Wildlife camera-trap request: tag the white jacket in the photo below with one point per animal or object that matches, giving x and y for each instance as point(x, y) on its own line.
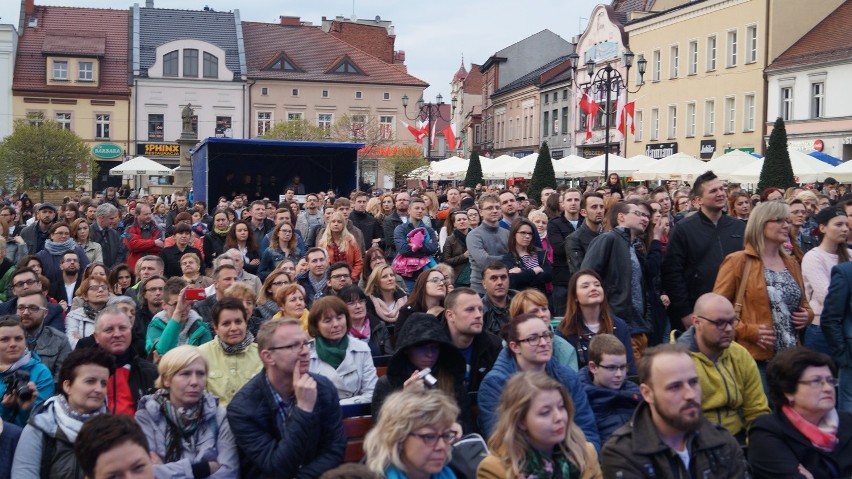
point(355, 378)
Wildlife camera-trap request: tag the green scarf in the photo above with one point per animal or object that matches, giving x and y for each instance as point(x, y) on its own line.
point(332, 354)
point(540, 467)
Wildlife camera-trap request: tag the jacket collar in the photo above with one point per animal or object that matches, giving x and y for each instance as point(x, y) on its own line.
point(647, 442)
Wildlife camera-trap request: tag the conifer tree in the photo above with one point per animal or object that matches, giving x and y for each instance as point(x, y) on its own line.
point(777, 171)
point(543, 175)
point(474, 171)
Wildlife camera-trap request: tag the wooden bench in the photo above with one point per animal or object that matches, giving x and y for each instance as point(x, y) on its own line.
point(355, 428)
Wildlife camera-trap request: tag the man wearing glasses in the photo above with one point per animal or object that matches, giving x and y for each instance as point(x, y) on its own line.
point(488, 242)
point(286, 421)
point(26, 279)
point(49, 343)
point(731, 391)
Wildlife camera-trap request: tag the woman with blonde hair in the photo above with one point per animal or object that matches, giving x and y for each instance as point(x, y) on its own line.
point(413, 438)
point(432, 204)
point(341, 245)
point(187, 429)
point(533, 301)
point(386, 296)
point(536, 436)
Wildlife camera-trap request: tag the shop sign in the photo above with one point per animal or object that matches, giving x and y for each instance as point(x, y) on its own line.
point(158, 149)
point(819, 145)
point(660, 150)
point(744, 150)
point(707, 148)
point(107, 151)
point(386, 151)
point(557, 154)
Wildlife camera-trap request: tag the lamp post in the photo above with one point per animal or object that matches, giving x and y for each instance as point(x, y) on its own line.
point(609, 79)
point(432, 111)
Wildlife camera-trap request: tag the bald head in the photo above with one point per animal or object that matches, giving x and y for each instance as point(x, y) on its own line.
point(710, 302)
point(714, 321)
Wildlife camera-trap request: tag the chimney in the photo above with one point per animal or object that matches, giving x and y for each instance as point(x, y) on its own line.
point(290, 21)
point(149, 3)
point(29, 7)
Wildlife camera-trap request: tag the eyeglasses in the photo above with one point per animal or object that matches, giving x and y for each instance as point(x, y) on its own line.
point(357, 302)
point(30, 308)
point(340, 276)
point(98, 287)
point(21, 284)
point(295, 346)
point(524, 233)
point(817, 383)
point(721, 324)
point(535, 339)
point(640, 214)
point(437, 281)
point(614, 367)
point(430, 439)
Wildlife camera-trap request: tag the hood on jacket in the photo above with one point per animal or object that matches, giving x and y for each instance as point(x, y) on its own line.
point(422, 328)
point(628, 388)
point(687, 338)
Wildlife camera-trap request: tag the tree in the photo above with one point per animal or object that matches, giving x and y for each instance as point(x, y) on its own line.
point(777, 172)
point(296, 130)
point(405, 161)
point(43, 155)
point(543, 175)
point(474, 171)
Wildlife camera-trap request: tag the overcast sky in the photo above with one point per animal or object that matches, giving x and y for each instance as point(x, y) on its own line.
point(433, 34)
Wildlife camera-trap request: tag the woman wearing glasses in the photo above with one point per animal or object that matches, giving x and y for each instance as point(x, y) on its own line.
point(529, 349)
point(345, 360)
point(774, 305)
point(427, 296)
point(806, 436)
point(528, 265)
point(59, 241)
point(414, 438)
point(80, 322)
point(423, 343)
point(266, 306)
point(366, 326)
point(536, 436)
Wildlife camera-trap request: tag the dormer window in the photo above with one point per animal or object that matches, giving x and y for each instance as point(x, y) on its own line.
point(211, 66)
point(283, 63)
point(85, 71)
point(170, 64)
point(60, 70)
point(346, 66)
point(190, 62)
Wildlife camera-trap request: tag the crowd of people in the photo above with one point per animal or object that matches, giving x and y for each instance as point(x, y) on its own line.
point(612, 331)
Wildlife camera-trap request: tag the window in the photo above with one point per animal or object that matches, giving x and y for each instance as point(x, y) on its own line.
point(730, 114)
point(264, 122)
point(565, 94)
point(693, 57)
point(294, 92)
point(102, 126)
point(294, 116)
point(386, 95)
point(544, 130)
point(711, 53)
point(655, 124)
point(324, 123)
point(510, 130)
point(709, 117)
point(35, 118)
point(638, 120)
point(386, 127)
point(751, 44)
point(170, 64)
point(817, 100)
point(190, 62)
point(155, 127)
point(359, 123)
point(211, 66)
point(690, 120)
point(359, 95)
point(60, 70)
point(346, 66)
point(85, 71)
point(675, 62)
point(554, 117)
point(477, 134)
point(223, 127)
point(672, 121)
point(732, 49)
point(546, 98)
point(655, 65)
point(325, 93)
point(787, 103)
point(565, 120)
point(264, 91)
point(748, 112)
point(64, 120)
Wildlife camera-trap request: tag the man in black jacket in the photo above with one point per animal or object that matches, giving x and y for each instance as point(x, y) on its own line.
point(558, 229)
point(696, 248)
point(396, 218)
point(464, 322)
point(577, 243)
point(103, 232)
point(365, 222)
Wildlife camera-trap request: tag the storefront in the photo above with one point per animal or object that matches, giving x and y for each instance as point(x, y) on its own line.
point(167, 154)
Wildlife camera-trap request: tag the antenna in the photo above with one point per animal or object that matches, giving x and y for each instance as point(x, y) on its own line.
point(353, 9)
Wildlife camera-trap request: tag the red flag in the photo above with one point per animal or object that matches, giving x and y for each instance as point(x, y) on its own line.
point(626, 116)
point(590, 107)
point(418, 135)
point(450, 135)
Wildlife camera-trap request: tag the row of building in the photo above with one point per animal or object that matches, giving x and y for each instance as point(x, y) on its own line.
point(120, 78)
point(719, 72)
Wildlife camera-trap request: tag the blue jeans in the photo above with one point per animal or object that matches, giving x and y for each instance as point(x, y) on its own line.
point(815, 340)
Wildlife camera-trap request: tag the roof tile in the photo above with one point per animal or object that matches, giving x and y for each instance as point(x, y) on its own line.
point(828, 41)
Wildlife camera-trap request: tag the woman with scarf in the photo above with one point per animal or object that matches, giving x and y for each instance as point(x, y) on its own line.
point(266, 306)
point(80, 322)
point(232, 355)
point(46, 446)
point(345, 360)
point(59, 241)
point(177, 324)
point(455, 248)
point(365, 325)
point(214, 241)
point(187, 429)
point(341, 245)
point(385, 294)
point(806, 436)
point(536, 436)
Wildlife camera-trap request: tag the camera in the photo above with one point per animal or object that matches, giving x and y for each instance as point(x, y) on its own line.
point(429, 380)
point(17, 382)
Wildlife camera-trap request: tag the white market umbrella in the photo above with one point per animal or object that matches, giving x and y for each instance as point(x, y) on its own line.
point(731, 161)
point(452, 168)
point(140, 166)
point(679, 166)
point(420, 173)
point(570, 166)
point(841, 172)
point(806, 169)
point(498, 168)
point(617, 164)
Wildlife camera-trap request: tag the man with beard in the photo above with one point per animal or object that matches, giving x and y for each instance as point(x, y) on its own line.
point(731, 392)
point(464, 322)
point(49, 343)
point(577, 243)
point(668, 436)
point(64, 291)
point(37, 233)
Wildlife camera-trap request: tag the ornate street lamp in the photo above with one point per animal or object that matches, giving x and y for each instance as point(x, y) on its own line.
point(432, 111)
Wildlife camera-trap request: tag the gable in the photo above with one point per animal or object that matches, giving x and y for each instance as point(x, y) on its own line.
point(345, 66)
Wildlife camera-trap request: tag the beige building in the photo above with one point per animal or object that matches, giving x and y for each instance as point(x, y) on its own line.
point(704, 90)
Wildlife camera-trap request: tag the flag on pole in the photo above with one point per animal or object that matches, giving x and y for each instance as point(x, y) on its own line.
point(590, 107)
point(625, 117)
point(449, 132)
point(418, 135)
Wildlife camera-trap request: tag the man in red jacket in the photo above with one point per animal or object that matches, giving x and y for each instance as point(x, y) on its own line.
point(142, 237)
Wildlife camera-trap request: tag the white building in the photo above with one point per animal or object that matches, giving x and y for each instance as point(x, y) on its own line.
point(8, 46)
